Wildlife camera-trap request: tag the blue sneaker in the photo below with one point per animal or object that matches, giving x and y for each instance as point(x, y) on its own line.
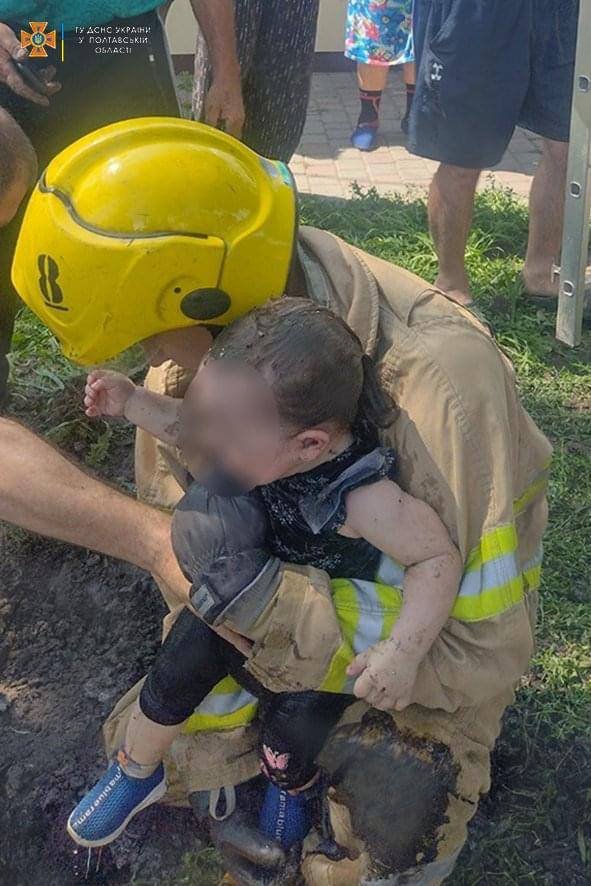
point(285, 817)
point(365, 136)
point(106, 810)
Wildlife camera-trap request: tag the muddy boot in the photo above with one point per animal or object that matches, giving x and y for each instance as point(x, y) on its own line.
point(229, 816)
point(249, 857)
point(237, 834)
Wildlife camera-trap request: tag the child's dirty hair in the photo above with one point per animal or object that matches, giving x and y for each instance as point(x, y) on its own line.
point(314, 362)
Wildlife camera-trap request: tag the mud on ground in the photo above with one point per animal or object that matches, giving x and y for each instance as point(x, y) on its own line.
point(78, 629)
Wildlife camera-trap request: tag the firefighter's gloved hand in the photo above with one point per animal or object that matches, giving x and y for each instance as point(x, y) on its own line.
point(219, 542)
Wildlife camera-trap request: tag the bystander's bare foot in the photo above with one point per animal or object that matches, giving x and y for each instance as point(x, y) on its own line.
point(458, 293)
point(544, 294)
point(541, 284)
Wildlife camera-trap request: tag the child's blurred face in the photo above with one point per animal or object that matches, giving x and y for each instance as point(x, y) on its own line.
point(230, 417)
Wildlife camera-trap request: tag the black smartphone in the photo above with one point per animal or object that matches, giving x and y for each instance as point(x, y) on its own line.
point(29, 77)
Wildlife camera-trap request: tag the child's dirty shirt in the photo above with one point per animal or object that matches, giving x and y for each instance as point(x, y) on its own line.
point(306, 511)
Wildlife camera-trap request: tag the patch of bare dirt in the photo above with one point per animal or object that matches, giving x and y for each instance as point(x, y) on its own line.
point(77, 630)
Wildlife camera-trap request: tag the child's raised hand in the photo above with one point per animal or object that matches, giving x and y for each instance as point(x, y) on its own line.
point(107, 393)
point(385, 676)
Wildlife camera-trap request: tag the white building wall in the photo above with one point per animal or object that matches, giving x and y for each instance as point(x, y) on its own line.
point(181, 27)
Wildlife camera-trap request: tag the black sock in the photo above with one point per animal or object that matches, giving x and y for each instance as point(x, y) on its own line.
point(410, 94)
point(370, 106)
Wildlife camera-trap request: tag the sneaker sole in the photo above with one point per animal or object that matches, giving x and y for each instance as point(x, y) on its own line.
point(153, 797)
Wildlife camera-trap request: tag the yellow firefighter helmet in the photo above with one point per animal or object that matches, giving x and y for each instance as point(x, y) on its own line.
point(150, 225)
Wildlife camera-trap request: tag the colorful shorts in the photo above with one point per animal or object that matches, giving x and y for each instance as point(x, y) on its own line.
point(379, 32)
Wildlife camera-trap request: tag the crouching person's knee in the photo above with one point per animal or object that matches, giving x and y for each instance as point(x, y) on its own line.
point(393, 807)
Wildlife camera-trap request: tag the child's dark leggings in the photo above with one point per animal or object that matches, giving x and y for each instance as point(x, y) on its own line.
point(295, 725)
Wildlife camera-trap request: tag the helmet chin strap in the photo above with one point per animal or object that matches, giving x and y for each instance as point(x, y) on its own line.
point(297, 283)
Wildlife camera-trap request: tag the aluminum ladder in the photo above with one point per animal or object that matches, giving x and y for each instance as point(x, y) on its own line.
point(575, 240)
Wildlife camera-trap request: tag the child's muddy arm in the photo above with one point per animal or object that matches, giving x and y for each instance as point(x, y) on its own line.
point(155, 413)
point(410, 532)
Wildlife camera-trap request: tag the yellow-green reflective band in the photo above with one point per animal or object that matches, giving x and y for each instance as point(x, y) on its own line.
point(227, 706)
point(346, 604)
point(345, 599)
point(489, 603)
point(392, 604)
point(533, 490)
point(366, 612)
point(492, 545)
point(493, 581)
point(496, 584)
point(533, 578)
point(336, 677)
point(532, 571)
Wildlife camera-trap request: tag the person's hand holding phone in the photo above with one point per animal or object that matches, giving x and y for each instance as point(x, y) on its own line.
point(37, 87)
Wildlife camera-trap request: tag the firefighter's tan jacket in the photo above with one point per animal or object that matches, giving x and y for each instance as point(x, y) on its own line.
point(467, 447)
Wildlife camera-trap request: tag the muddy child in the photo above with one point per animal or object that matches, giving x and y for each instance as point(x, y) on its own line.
point(281, 426)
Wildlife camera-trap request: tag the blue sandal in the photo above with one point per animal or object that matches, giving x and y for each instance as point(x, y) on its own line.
point(365, 136)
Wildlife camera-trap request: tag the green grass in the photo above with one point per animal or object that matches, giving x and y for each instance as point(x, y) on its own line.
point(46, 392)
point(201, 868)
point(536, 825)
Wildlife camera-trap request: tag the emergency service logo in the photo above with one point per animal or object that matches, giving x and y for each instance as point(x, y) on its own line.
point(38, 39)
